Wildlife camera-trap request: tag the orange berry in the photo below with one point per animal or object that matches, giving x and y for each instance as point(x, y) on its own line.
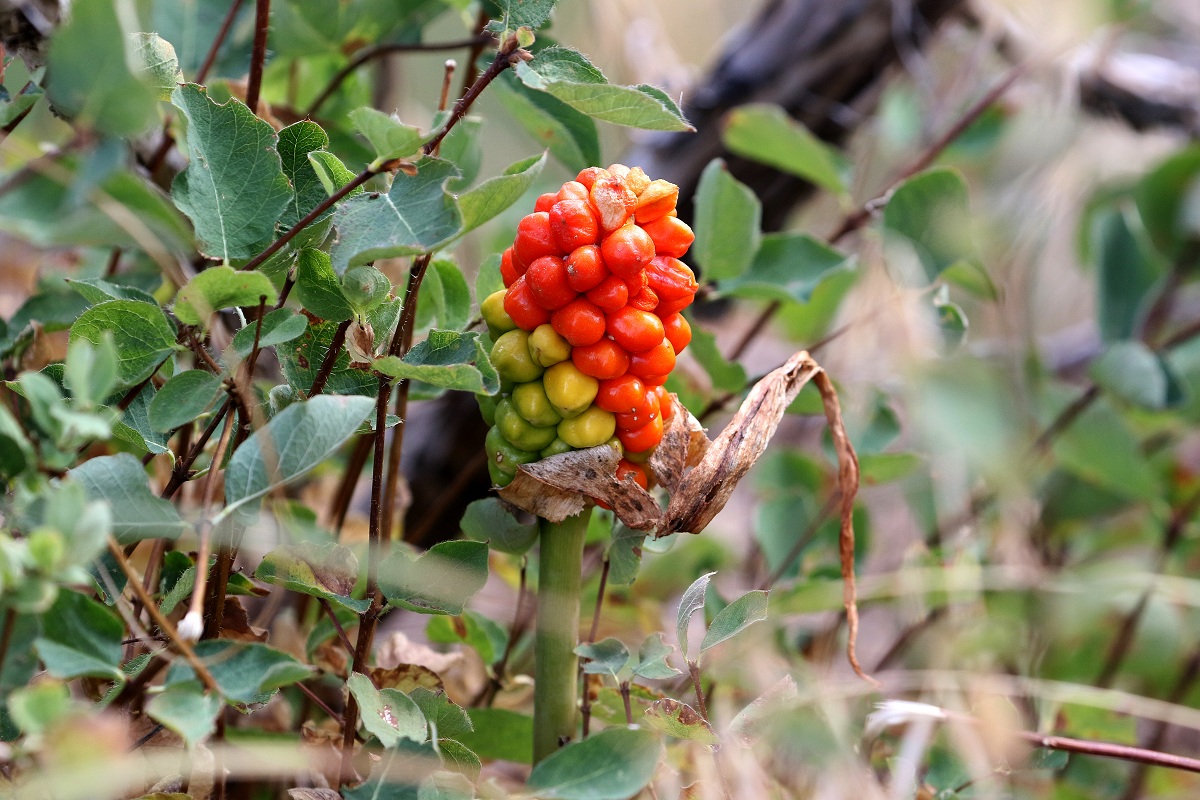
point(547, 279)
point(621, 395)
point(671, 235)
point(645, 300)
point(678, 331)
point(656, 200)
point(634, 329)
point(627, 251)
point(589, 176)
point(545, 201)
point(523, 307)
point(655, 381)
point(639, 440)
point(580, 322)
point(534, 238)
point(573, 224)
point(627, 470)
point(603, 360)
point(585, 268)
point(572, 190)
point(610, 294)
point(613, 200)
point(658, 360)
point(641, 416)
point(666, 403)
point(674, 283)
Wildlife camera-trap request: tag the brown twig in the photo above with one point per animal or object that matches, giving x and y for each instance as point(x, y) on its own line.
point(803, 540)
point(337, 625)
point(495, 683)
point(1153, 738)
point(258, 53)
point(345, 492)
point(331, 356)
point(179, 475)
point(164, 624)
point(380, 50)
point(195, 615)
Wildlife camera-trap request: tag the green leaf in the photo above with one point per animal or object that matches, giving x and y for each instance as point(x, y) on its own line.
point(765, 133)
point(952, 321)
point(416, 215)
point(680, 721)
point(788, 267)
point(135, 427)
point(652, 659)
point(278, 326)
point(16, 452)
point(463, 149)
point(80, 637)
point(446, 290)
point(522, 14)
point(605, 657)
point(494, 195)
point(297, 143)
point(301, 359)
point(187, 711)
point(441, 581)
point(878, 468)
point(140, 331)
point(90, 75)
point(1126, 274)
point(728, 376)
point(1133, 372)
point(389, 137)
point(332, 173)
point(569, 135)
point(295, 440)
point(328, 570)
point(318, 287)
point(35, 708)
point(568, 76)
point(221, 287)
point(447, 359)
point(500, 734)
point(931, 212)
point(156, 63)
point(624, 554)
point(614, 764)
point(137, 513)
point(389, 715)
point(233, 189)
point(475, 630)
point(1168, 200)
point(99, 291)
point(728, 217)
point(244, 671)
point(183, 398)
point(735, 618)
point(487, 520)
point(691, 602)
point(90, 372)
point(446, 719)
point(1100, 448)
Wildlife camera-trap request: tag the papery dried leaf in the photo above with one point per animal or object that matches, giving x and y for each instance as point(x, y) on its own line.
point(683, 444)
point(331, 657)
point(847, 489)
point(558, 487)
point(235, 624)
point(360, 341)
point(397, 650)
point(406, 677)
point(704, 491)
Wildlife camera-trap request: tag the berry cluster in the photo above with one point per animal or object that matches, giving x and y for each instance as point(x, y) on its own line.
point(589, 326)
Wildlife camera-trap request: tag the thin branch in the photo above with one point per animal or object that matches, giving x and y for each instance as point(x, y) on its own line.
point(321, 704)
point(345, 491)
point(1158, 731)
point(258, 53)
point(331, 356)
point(210, 58)
point(164, 624)
point(599, 601)
point(694, 672)
point(194, 620)
point(10, 622)
point(380, 50)
point(501, 62)
point(488, 693)
point(337, 625)
point(803, 540)
point(179, 475)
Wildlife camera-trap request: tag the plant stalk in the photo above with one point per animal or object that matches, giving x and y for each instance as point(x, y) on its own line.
point(560, 569)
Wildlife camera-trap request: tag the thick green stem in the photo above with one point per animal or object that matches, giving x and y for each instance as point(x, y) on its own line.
point(559, 577)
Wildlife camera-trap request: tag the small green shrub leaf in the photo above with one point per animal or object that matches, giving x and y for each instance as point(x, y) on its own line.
point(728, 217)
point(765, 133)
point(221, 287)
point(612, 765)
point(183, 398)
point(140, 331)
point(735, 618)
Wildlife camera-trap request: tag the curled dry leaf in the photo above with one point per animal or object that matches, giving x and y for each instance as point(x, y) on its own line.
point(405, 678)
point(235, 624)
point(313, 794)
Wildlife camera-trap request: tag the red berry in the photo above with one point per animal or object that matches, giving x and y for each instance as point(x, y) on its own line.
point(585, 268)
point(657, 361)
point(572, 190)
point(635, 330)
point(534, 238)
point(621, 395)
point(547, 279)
point(545, 202)
point(508, 268)
point(642, 439)
point(677, 331)
point(641, 416)
point(522, 306)
point(645, 300)
point(603, 360)
point(627, 251)
point(588, 176)
point(580, 322)
point(627, 470)
point(613, 200)
point(610, 294)
point(573, 224)
point(671, 280)
point(671, 235)
point(666, 403)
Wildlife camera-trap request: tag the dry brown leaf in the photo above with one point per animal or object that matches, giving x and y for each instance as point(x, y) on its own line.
point(558, 487)
point(704, 491)
point(683, 445)
point(397, 649)
point(235, 624)
point(313, 794)
point(406, 677)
